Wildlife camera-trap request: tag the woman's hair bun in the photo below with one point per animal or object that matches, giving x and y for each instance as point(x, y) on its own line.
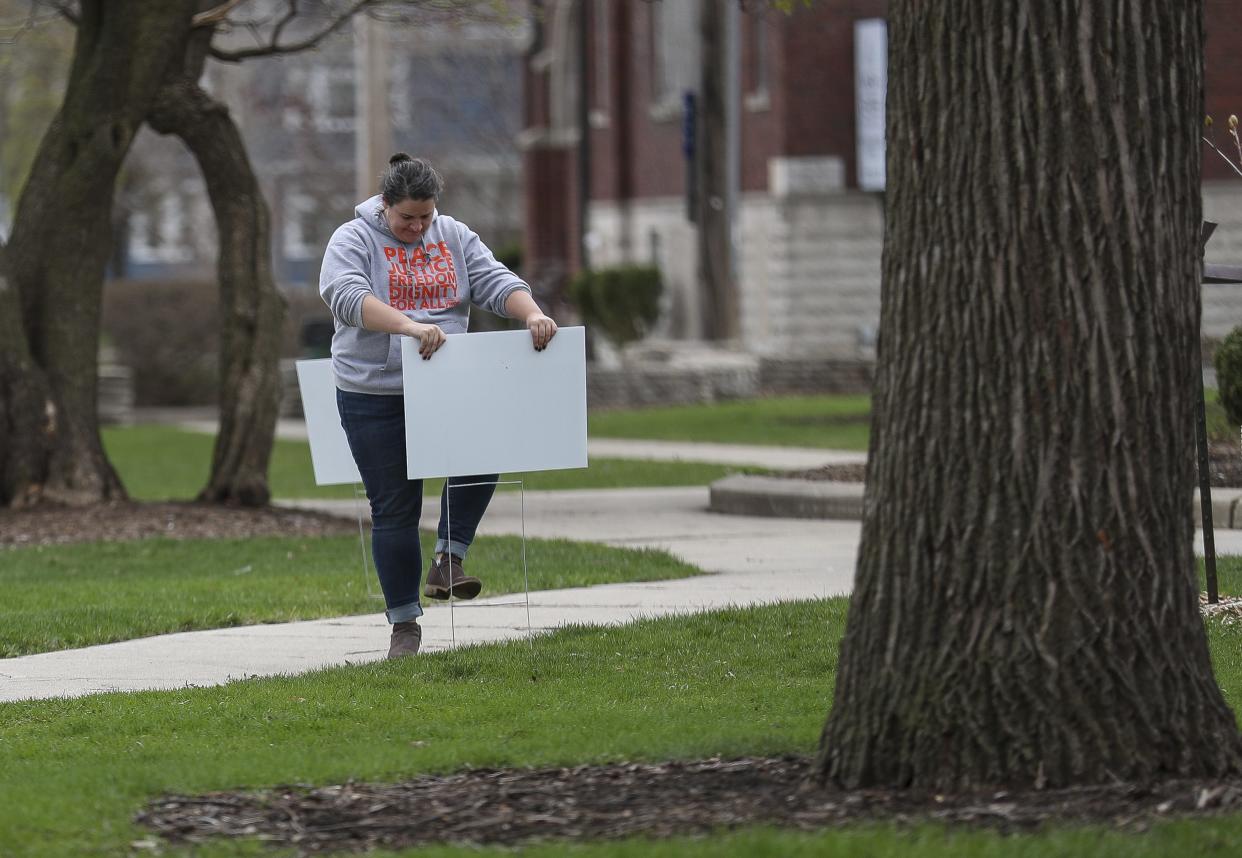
point(399, 157)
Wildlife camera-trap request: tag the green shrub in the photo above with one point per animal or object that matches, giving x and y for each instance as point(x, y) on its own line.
point(1228, 362)
point(168, 334)
point(620, 302)
point(509, 255)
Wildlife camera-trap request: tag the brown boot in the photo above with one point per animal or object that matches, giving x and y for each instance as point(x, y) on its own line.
point(406, 638)
point(447, 572)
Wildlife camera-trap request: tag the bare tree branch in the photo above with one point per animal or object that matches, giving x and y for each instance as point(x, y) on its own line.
point(280, 25)
point(273, 47)
point(211, 17)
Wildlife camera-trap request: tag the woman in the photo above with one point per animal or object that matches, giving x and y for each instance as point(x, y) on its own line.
point(402, 269)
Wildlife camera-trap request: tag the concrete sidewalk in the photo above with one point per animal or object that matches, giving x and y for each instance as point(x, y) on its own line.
point(752, 561)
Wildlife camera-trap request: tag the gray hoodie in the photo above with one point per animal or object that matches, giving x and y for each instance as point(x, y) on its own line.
point(433, 281)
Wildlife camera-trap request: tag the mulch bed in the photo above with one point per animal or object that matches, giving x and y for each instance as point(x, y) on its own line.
point(118, 522)
point(1224, 459)
point(514, 806)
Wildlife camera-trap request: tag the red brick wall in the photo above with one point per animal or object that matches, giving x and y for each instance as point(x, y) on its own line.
point(611, 165)
point(817, 78)
point(810, 98)
point(550, 233)
point(656, 159)
point(760, 128)
point(811, 94)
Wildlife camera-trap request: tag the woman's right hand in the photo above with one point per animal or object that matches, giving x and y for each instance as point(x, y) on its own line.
point(430, 338)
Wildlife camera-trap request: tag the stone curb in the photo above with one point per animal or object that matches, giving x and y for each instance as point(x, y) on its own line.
point(741, 494)
point(773, 496)
point(1226, 511)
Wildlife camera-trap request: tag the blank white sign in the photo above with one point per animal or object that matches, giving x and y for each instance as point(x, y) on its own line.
point(489, 403)
point(330, 455)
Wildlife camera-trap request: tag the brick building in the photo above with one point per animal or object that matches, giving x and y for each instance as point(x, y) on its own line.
point(806, 218)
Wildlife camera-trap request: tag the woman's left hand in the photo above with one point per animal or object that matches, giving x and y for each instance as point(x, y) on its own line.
point(542, 330)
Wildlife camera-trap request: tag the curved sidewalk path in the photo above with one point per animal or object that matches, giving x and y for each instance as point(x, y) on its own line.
point(749, 560)
point(752, 561)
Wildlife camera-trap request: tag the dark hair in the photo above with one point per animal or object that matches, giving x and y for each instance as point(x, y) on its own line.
point(409, 179)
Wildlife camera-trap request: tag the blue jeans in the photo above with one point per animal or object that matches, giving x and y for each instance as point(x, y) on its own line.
point(375, 428)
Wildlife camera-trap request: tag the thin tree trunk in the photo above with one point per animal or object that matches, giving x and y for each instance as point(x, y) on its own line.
point(1025, 610)
point(61, 238)
point(252, 310)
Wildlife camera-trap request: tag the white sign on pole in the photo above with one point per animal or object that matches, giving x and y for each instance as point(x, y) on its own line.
point(870, 89)
point(330, 455)
point(489, 403)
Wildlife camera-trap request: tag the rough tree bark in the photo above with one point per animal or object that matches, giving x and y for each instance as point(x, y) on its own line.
point(251, 309)
point(24, 401)
point(58, 249)
point(1025, 609)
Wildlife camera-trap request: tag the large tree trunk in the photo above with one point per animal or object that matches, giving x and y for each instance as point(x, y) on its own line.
point(24, 406)
point(1025, 609)
point(252, 310)
point(59, 247)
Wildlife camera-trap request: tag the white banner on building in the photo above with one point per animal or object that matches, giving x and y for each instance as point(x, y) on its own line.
point(870, 87)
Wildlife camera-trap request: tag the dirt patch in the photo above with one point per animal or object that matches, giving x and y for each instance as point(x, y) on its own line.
point(1225, 460)
point(512, 806)
point(119, 522)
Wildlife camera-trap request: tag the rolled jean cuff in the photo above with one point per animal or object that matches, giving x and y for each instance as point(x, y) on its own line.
point(404, 613)
point(452, 547)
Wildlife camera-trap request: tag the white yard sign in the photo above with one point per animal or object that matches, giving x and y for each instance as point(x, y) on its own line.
point(485, 403)
point(489, 403)
point(330, 456)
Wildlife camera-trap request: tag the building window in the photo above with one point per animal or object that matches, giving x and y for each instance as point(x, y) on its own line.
point(159, 231)
point(602, 56)
point(399, 98)
point(675, 55)
point(308, 221)
point(757, 61)
point(321, 98)
point(303, 226)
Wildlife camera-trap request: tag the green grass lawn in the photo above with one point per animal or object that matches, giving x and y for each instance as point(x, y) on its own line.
point(74, 772)
point(1228, 574)
point(57, 597)
point(833, 422)
point(165, 463)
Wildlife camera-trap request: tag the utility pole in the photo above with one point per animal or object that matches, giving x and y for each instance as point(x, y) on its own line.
point(373, 130)
point(583, 108)
point(720, 301)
